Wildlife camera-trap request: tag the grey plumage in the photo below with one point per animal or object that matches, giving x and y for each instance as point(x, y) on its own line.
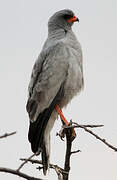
point(57, 76)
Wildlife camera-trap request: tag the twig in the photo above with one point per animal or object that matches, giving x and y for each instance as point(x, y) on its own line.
point(80, 126)
point(25, 162)
point(15, 172)
point(58, 169)
point(101, 139)
point(74, 152)
point(7, 134)
point(92, 133)
point(34, 161)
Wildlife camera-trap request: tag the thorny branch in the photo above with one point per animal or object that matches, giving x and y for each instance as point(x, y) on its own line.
point(7, 134)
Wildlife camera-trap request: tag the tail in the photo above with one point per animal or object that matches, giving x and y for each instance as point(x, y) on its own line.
point(36, 136)
point(37, 130)
point(45, 159)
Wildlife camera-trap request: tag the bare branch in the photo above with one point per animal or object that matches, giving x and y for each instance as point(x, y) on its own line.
point(101, 139)
point(93, 126)
point(33, 161)
point(57, 170)
point(80, 126)
point(69, 140)
point(74, 152)
point(92, 133)
point(52, 166)
point(25, 162)
point(17, 173)
point(7, 134)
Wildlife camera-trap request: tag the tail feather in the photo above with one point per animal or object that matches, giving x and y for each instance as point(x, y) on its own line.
point(37, 129)
point(45, 159)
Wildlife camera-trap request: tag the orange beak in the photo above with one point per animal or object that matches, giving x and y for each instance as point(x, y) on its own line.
point(73, 19)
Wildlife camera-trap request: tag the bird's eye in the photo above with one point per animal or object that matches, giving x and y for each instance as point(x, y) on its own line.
point(67, 16)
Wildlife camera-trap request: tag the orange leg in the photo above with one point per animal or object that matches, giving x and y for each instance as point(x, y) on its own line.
point(63, 118)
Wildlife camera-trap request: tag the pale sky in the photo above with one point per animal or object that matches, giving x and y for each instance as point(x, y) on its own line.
point(23, 30)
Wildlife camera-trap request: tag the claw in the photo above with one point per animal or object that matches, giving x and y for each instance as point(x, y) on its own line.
point(62, 139)
point(61, 134)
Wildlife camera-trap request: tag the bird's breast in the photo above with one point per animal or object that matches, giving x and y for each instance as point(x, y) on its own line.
point(73, 83)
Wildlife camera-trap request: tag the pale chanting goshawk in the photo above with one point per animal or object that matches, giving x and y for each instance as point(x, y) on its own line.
point(57, 76)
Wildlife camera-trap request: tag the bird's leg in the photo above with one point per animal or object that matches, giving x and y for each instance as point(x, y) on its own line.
point(65, 122)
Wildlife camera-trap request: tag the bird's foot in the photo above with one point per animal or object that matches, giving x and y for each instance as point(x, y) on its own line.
point(65, 122)
point(61, 134)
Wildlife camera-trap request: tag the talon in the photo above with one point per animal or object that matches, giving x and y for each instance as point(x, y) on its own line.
point(62, 134)
point(62, 138)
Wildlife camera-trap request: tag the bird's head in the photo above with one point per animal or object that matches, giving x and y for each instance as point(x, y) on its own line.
point(62, 19)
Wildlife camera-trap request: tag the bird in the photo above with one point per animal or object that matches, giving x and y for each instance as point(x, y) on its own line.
point(57, 76)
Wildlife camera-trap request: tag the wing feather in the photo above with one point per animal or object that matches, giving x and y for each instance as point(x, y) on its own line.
point(49, 72)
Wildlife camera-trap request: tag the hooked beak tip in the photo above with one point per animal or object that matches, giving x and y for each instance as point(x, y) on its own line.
point(77, 19)
point(73, 19)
